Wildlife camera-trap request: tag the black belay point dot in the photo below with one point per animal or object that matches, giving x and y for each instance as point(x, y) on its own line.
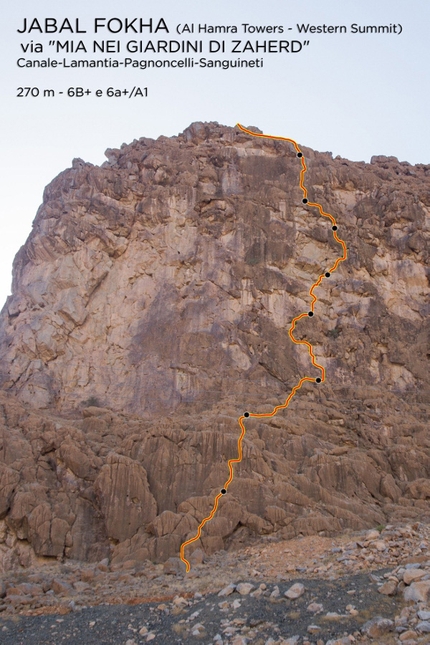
point(300, 154)
point(310, 313)
point(334, 228)
point(318, 380)
point(327, 275)
point(304, 200)
point(246, 414)
point(223, 491)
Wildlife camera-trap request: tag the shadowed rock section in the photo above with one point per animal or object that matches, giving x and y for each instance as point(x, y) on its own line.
point(151, 306)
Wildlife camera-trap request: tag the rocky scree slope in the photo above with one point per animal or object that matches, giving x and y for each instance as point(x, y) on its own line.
point(150, 308)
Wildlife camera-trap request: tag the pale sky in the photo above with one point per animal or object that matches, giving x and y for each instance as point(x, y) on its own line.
point(355, 95)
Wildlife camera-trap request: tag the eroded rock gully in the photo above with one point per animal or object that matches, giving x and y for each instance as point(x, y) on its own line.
point(150, 307)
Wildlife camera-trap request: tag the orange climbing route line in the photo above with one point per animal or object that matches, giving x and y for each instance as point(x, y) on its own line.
point(304, 379)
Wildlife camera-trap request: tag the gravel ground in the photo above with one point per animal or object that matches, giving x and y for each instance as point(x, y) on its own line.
point(256, 619)
point(371, 586)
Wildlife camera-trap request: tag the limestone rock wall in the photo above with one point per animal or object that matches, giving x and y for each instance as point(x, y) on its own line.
point(111, 485)
point(150, 308)
point(165, 280)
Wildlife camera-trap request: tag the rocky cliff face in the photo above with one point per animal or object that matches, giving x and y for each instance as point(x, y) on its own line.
point(150, 308)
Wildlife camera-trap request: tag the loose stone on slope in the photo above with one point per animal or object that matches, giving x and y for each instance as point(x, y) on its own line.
point(294, 592)
point(227, 590)
point(377, 627)
point(244, 588)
